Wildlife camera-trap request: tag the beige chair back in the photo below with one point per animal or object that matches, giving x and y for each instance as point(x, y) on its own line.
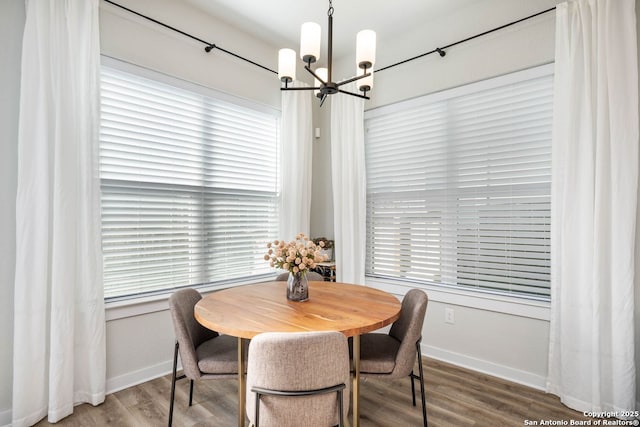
point(298, 361)
point(408, 330)
point(189, 333)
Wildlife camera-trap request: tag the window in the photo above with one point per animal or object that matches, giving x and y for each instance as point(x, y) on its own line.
point(458, 186)
point(189, 181)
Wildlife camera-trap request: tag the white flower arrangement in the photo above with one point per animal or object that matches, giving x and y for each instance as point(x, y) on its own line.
point(297, 256)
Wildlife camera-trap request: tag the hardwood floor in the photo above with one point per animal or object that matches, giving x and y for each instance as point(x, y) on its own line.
point(455, 397)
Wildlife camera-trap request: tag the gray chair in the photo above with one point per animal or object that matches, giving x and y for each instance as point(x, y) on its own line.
point(204, 353)
point(312, 276)
point(298, 379)
point(393, 355)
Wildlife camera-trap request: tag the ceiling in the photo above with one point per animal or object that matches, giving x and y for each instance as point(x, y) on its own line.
point(278, 21)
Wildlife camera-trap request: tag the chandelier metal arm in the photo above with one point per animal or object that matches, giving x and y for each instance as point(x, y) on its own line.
point(301, 88)
point(323, 97)
point(306, 67)
point(353, 94)
point(353, 79)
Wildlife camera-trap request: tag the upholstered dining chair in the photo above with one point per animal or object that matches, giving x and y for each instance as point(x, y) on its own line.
point(393, 355)
point(298, 379)
point(312, 276)
point(204, 353)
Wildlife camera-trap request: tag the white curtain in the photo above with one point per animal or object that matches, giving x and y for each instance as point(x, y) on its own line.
point(59, 324)
point(296, 156)
point(594, 191)
point(349, 185)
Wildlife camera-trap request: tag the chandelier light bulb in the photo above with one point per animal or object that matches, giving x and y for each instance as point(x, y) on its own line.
point(322, 73)
point(287, 65)
point(366, 49)
point(310, 35)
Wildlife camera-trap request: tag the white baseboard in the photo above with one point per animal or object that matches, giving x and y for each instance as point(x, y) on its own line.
point(511, 374)
point(140, 376)
point(538, 382)
point(5, 418)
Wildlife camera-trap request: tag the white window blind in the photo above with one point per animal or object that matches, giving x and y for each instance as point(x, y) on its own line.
point(189, 186)
point(458, 186)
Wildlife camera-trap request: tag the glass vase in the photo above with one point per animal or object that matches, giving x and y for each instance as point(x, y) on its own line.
point(297, 287)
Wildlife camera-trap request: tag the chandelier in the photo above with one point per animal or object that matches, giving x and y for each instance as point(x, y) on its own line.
point(310, 37)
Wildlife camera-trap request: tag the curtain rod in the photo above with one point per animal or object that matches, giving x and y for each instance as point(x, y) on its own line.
point(208, 46)
point(440, 50)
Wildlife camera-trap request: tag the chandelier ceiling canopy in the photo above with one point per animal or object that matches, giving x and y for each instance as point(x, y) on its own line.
point(310, 38)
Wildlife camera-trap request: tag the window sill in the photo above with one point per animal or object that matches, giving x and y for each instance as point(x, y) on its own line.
point(138, 306)
point(146, 304)
point(521, 307)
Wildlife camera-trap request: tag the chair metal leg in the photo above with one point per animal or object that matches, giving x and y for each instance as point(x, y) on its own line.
point(173, 383)
point(421, 372)
point(256, 414)
point(340, 409)
point(191, 393)
point(413, 388)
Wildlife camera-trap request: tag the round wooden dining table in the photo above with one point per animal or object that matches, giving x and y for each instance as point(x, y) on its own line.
point(249, 310)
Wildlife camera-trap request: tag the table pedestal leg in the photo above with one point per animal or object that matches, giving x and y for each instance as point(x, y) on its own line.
point(356, 381)
point(241, 383)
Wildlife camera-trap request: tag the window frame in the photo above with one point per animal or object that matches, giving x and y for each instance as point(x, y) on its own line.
point(536, 307)
point(123, 306)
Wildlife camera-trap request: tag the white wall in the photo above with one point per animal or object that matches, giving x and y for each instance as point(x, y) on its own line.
point(322, 199)
point(139, 348)
point(11, 24)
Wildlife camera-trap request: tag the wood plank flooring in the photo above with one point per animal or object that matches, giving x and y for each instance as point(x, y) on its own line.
point(456, 397)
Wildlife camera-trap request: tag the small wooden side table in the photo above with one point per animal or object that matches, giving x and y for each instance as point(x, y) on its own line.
point(327, 269)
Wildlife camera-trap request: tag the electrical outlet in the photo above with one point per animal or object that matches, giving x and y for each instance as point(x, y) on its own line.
point(449, 315)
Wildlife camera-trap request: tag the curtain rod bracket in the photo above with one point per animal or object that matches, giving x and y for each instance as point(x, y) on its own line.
point(210, 47)
point(441, 52)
